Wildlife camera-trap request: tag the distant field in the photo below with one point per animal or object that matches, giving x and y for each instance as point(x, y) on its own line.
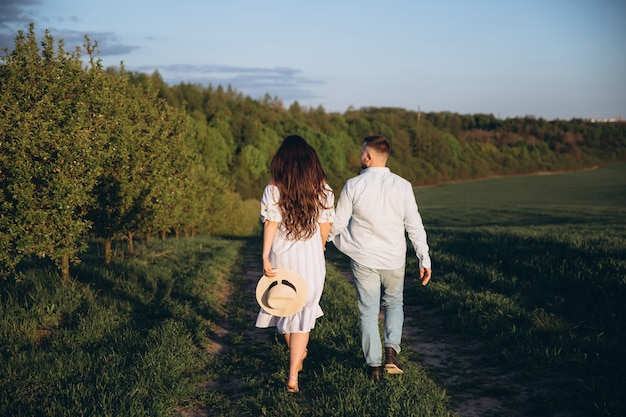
point(536, 267)
point(594, 196)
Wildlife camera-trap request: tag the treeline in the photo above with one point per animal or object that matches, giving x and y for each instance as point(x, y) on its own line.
point(88, 151)
point(238, 135)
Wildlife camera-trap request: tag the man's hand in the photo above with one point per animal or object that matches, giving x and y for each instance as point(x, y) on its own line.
point(425, 274)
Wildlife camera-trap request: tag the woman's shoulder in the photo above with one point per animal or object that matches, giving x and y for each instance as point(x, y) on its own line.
point(271, 185)
point(271, 192)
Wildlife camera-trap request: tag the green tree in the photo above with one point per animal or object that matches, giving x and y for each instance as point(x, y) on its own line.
point(119, 189)
point(168, 169)
point(49, 151)
point(136, 191)
point(215, 149)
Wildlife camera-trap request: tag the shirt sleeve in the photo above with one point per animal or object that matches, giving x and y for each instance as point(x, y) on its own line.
point(343, 213)
point(328, 214)
point(269, 205)
point(415, 230)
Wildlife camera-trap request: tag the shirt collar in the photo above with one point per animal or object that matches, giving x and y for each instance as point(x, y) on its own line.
point(375, 169)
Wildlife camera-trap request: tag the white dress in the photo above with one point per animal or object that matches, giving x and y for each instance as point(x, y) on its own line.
point(306, 257)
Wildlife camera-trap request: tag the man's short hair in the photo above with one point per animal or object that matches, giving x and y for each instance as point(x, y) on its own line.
point(379, 143)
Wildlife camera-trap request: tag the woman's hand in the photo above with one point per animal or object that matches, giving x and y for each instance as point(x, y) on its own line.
point(267, 269)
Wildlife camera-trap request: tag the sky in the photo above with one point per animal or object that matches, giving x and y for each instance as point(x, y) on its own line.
point(554, 59)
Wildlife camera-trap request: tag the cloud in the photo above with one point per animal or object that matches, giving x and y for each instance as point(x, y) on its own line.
point(6, 40)
point(286, 83)
point(15, 11)
point(17, 14)
point(108, 44)
point(282, 82)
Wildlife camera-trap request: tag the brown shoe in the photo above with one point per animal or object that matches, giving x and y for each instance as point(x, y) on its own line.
point(392, 365)
point(375, 372)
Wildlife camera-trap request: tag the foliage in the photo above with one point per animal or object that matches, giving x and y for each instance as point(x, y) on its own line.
point(427, 148)
point(50, 149)
point(85, 150)
point(123, 155)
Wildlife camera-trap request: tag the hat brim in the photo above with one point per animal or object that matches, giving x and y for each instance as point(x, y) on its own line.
point(295, 279)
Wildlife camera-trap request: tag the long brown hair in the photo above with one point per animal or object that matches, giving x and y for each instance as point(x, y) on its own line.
point(297, 172)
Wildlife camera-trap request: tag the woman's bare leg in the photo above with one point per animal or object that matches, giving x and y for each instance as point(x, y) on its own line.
point(297, 343)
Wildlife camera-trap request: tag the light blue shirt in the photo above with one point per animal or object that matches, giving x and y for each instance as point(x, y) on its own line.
point(373, 212)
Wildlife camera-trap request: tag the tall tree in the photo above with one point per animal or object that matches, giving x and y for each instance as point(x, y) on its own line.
point(49, 151)
point(145, 146)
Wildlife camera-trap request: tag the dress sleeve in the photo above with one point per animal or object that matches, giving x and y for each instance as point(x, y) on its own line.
point(328, 214)
point(269, 205)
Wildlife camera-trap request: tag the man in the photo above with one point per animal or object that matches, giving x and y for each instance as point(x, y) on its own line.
point(373, 212)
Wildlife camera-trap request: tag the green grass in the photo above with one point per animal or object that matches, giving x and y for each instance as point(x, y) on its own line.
point(123, 340)
point(532, 266)
point(537, 266)
point(254, 373)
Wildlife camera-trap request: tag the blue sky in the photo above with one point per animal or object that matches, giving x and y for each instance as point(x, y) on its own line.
point(555, 59)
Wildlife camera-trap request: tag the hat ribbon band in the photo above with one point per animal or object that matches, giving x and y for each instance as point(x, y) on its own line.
point(285, 282)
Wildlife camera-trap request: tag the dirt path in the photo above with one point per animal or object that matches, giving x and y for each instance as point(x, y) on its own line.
point(456, 364)
point(459, 366)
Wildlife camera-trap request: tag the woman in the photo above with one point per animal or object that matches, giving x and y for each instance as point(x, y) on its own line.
point(297, 209)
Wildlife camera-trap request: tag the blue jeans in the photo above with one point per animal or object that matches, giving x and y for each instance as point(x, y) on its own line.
point(370, 283)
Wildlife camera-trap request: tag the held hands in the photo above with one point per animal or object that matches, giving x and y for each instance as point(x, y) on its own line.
point(425, 274)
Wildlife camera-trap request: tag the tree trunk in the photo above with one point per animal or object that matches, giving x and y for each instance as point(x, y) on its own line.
point(107, 250)
point(65, 269)
point(131, 249)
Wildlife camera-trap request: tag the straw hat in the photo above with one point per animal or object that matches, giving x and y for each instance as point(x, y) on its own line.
point(283, 294)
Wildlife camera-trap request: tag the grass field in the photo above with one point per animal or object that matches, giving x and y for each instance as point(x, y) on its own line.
point(535, 267)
